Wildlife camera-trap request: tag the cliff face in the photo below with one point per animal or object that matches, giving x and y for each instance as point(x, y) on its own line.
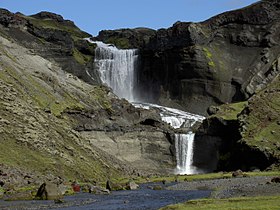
point(55, 116)
point(242, 135)
point(222, 60)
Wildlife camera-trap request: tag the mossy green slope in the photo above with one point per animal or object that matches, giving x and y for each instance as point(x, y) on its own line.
point(247, 203)
point(261, 120)
point(35, 134)
point(258, 119)
point(230, 111)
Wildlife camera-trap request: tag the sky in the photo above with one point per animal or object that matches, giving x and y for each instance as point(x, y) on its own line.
point(95, 15)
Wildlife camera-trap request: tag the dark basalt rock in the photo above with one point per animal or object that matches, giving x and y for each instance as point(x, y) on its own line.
point(225, 152)
point(54, 38)
point(221, 60)
point(224, 59)
point(48, 15)
point(126, 38)
point(8, 19)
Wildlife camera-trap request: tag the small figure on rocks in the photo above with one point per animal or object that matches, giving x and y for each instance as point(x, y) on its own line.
point(76, 187)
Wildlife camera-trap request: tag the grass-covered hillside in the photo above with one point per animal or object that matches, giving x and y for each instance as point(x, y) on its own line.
point(249, 130)
point(35, 134)
point(260, 121)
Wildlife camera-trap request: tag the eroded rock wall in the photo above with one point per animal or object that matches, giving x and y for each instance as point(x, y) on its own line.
point(221, 60)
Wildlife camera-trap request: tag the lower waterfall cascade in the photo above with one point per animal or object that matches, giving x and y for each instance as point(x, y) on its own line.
point(117, 69)
point(184, 143)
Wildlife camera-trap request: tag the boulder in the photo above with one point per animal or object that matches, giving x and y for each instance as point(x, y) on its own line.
point(157, 187)
point(97, 190)
point(49, 191)
point(114, 186)
point(132, 186)
point(62, 188)
point(237, 173)
point(276, 179)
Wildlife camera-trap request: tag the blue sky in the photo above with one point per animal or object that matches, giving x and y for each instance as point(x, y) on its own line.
point(95, 15)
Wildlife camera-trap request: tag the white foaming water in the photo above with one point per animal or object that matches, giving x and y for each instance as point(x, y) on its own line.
point(175, 117)
point(117, 68)
point(184, 143)
point(184, 153)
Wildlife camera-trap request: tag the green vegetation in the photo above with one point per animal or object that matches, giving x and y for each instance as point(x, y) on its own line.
point(217, 62)
point(81, 58)
point(98, 94)
point(76, 34)
point(230, 111)
point(121, 43)
point(43, 95)
point(209, 56)
point(49, 23)
point(211, 63)
point(14, 154)
point(262, 122)
point(189, 178)
point(244, 203)
point(34, 137)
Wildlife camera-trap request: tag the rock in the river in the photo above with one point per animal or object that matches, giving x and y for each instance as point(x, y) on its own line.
point(49, 191)
point(98, 190)
point(157, 187)
point(132, 186)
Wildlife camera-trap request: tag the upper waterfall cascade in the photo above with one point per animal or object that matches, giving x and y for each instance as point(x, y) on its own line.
point(117, 69)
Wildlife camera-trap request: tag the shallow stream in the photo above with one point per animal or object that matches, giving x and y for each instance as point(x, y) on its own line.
point(143, 199)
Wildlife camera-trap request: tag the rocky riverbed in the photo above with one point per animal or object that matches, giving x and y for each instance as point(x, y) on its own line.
point(233, 187)
point(149, 196)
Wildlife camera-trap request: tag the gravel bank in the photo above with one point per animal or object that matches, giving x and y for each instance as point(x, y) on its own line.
point(233, 187)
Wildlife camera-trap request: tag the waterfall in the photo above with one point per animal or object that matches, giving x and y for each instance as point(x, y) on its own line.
point(184, 143)
point(117, 69)
point(184, 153)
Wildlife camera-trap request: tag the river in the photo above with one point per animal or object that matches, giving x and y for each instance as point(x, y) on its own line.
point(141, 199)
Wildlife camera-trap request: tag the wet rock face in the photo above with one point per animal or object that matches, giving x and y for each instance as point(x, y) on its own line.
point(218, 148)
point(224, 59)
